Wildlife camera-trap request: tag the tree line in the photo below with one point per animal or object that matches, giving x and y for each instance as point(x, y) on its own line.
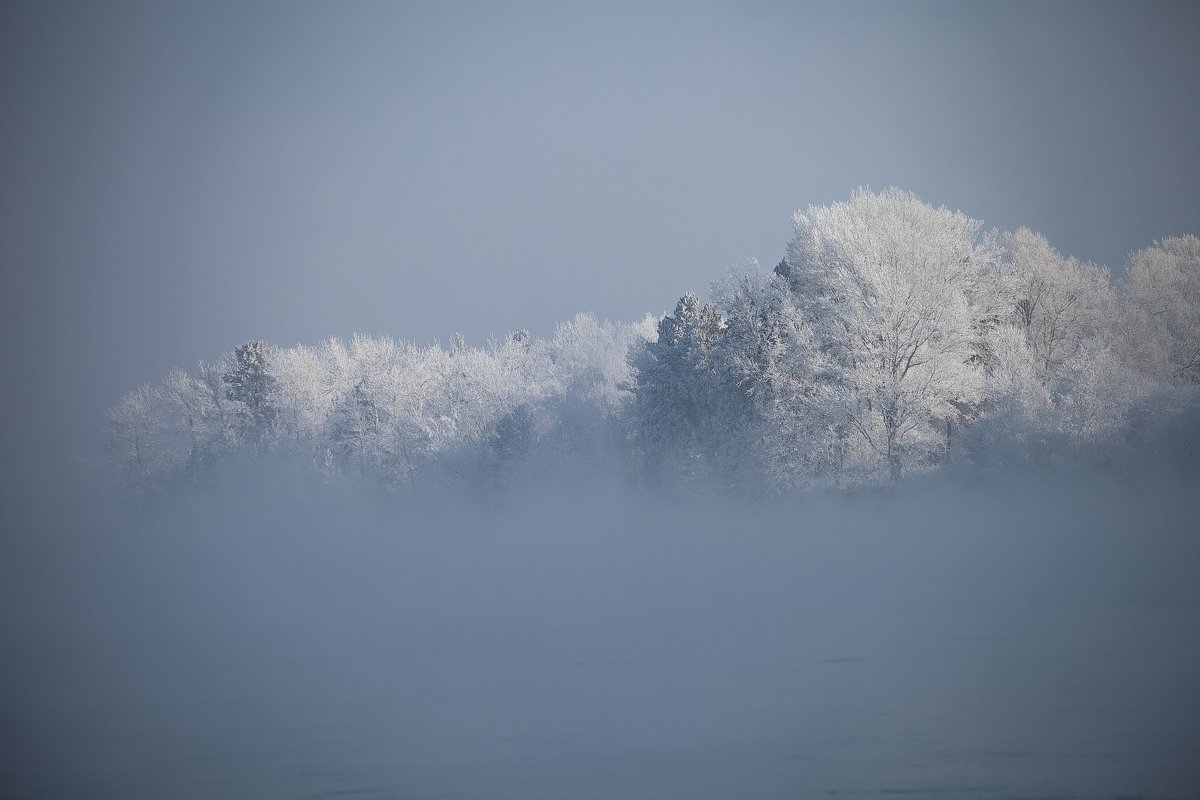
point(894, 338)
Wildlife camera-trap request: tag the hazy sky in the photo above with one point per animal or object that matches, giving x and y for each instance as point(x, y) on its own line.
point(178, 178)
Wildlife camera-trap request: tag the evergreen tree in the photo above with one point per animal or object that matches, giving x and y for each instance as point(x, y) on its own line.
point(675, 395)
point(251, 384)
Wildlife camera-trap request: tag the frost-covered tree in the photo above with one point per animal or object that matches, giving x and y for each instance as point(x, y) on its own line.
point(676, 395)
point(148, 438)
point(1056, 302)
point(890, 326)
point(196, 412)
point(387, 417)
point(892, 287)
point(588, 357)
point(1094, 395)
point(131, 425)
point(304, 396)
point(584, 419)
point(1161, 310)
point(767, 365)
point(250, 383)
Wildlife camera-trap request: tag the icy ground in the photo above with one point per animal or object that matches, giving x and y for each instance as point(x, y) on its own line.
point(1030, 643)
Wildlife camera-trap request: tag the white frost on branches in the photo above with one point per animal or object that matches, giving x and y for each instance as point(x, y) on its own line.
point(895, 337)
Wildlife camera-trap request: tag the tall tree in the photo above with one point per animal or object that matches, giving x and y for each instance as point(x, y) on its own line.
point(250, 383)
point(892, 287)
point(767, 364)
point(1057, 302)
point(1161, 297)
point(675, 386)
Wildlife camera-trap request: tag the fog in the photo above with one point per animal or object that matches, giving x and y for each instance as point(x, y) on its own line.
point(256, 638)
point(525, 609)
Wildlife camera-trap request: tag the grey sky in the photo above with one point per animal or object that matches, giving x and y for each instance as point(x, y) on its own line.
point(179, 178)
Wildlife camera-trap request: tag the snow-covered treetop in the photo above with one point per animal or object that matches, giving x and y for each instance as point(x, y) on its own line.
point(893, 335)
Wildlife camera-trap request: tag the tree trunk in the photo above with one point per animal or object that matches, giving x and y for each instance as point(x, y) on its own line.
point(893, 454)
point(891, 429)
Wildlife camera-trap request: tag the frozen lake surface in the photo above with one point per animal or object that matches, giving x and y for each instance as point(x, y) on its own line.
point(1030, 644)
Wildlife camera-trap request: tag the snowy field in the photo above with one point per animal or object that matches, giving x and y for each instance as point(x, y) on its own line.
point(1024, 643)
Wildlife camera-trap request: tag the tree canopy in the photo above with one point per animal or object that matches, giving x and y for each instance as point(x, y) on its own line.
point(894, 338)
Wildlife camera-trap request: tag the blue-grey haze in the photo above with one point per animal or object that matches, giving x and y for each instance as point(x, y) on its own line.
point(178, 178)
point(249, 641)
